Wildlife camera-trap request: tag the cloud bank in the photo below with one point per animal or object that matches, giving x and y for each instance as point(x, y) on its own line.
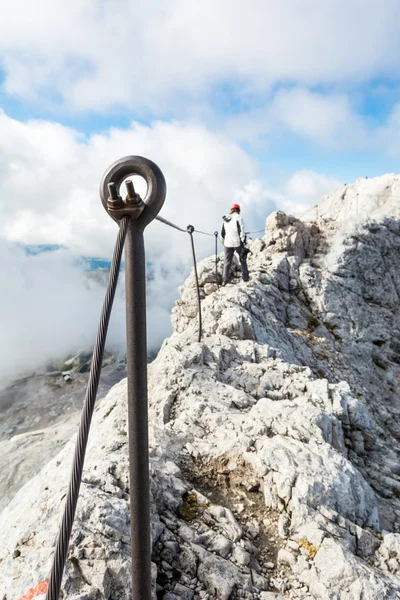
point(49, 184)
point(158, 56)
point(269, 75)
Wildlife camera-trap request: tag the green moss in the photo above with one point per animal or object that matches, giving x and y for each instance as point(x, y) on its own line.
point(313, 323)
point(190, 506)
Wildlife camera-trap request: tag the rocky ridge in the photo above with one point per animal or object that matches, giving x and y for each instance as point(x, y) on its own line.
point(274, 441)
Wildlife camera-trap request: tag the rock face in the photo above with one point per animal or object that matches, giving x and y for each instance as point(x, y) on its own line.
point(274, 442)
point(38, 415)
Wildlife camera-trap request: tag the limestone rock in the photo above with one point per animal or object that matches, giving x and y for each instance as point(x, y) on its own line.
point(288, 409)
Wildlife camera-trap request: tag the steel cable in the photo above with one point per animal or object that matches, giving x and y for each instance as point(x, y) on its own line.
point(64, 535)
point(250, 232)
point(162, 220)
point(203, 232)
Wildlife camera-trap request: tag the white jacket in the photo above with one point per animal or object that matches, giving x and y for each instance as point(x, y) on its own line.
point(232, 231)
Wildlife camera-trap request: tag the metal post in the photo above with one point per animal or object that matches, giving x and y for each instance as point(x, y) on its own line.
point(135, 283)
point(190, 230)
point(216, 258)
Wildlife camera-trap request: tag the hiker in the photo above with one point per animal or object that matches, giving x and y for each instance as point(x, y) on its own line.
point(234, 240)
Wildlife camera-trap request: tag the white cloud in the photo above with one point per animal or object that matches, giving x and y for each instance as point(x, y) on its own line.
point(49, 195)
point(304, 189)
point(257, 201)
point(49, 309)
point(294, 195)
point(157, 55)
point(388, 136)
point(49, 184)
point(328, 120)
point(50, 178)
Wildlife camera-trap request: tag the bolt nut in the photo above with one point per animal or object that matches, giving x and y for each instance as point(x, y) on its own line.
point(134, 200)
point(115, 202)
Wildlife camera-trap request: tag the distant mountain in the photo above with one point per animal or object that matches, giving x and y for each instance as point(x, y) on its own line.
point(35, 249)
point(90, 263)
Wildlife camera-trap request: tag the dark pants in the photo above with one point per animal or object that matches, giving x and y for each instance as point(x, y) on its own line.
point(228, 262)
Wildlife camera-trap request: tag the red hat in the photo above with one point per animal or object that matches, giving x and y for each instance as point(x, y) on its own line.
point(235, 206)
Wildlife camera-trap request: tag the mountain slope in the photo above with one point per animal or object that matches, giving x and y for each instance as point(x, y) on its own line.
point(274, 441)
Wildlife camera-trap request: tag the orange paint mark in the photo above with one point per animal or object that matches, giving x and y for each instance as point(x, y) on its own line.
point(39, 590)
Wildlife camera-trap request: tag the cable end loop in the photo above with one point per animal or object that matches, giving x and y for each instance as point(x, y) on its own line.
point(140, 211)
point(190, 228)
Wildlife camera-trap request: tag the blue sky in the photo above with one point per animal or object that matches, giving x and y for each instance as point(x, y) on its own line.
point(305, 95)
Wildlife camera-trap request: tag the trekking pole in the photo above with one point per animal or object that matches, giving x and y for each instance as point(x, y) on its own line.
point(216, 258)
point(141, 213)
